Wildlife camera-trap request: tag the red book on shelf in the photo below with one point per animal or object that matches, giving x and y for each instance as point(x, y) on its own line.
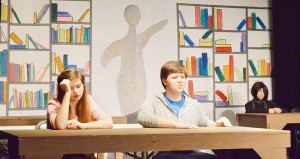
point(193, 62)
point(231, 68)
point(249, 19)
point(268, 69)
point(210, 21)
point(11, 72)
point(219, 19)
point(221, 95)
point(191, 88)
point(197, 16)
point(223, 49)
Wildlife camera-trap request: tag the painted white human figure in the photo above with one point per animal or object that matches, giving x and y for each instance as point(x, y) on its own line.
point(131, 81)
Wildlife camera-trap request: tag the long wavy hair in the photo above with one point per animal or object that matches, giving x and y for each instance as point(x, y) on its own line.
point(83, 108)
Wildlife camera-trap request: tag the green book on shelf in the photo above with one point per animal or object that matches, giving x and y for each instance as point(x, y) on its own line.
point(253, 68)
point(253, 15)
point(219, 73)
point(15, 14)
point(54, 12)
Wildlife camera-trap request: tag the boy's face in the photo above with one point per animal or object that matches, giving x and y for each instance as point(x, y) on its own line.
point(175, 82)
point(260, 94)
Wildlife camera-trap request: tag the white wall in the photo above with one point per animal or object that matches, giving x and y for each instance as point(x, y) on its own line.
point(109, 25)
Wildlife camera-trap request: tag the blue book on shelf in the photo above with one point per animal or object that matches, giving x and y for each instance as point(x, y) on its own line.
point(261, 23)
point(241, 46)
point(188, 40)
point(52, 89)
point(241, 25)
point(72, 66)
point(13, 46)
point(181, 62)
point(65, 61)
point(5, 62)
point(62, 12)
point(1, 91)
point(28, 72)
point(181, 18)
point(32, 41)
point(204, 64)
point(205, 17)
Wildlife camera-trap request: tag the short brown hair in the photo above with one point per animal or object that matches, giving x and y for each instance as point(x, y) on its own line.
point(169, 68)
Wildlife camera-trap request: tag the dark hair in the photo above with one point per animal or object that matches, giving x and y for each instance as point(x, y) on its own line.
point(256, 87)
point(169, 68)
point(83, 109)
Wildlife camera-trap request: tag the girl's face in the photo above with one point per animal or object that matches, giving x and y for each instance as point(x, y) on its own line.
point(260, 94)
point(175, 82)
point(76, 89)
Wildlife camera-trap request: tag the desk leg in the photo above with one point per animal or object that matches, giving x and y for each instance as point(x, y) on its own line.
point(275, 153)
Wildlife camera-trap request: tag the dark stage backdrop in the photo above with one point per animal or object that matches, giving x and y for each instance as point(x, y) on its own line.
point(286, 45)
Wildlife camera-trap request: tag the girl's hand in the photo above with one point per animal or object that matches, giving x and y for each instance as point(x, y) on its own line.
point(277, 110)
point(74, 124)
point(271, 110)
point(65, 85)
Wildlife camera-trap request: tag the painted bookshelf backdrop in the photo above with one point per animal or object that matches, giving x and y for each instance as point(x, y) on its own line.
point(223, 55)
point(36, 44)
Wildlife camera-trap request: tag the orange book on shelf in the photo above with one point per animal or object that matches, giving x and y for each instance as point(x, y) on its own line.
point(4, 91)
point(226, 72)
point(191, 88)
point(249, 22)
point(223, 49)
point(15, 38)
point(197, 16)
point(83, 15)
point(231, 68)
point(219, 19)
point(221, 95)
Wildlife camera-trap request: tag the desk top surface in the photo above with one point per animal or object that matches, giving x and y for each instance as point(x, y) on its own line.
point(268, 114)
point(138, 131)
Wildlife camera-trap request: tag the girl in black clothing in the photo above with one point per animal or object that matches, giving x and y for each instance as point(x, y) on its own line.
point(260, 103)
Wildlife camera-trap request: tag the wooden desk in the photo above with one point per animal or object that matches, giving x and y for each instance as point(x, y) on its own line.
point(266, 120)
point(269, 144)
point(21, 120)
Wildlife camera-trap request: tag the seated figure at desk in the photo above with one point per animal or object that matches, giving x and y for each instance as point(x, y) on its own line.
point(260, 102)
point(73, 108)
point(174, 109)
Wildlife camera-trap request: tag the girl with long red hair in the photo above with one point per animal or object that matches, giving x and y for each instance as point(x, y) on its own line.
point(73, 107)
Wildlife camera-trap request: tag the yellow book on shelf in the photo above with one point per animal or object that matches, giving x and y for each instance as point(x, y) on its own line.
point(34, 17)
point(223, 45)
point(181, 38)
point(238, 73)
point(83, 15)
point(263, 67)
point(4, 16)
point(229, 94)
point(27, 41)
point(53, 66)
point(45, 70)
point(226, 72)
point(15, 38)
point(4, 91)
point(220, 41)
point(59, 64)
point(68, 35)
